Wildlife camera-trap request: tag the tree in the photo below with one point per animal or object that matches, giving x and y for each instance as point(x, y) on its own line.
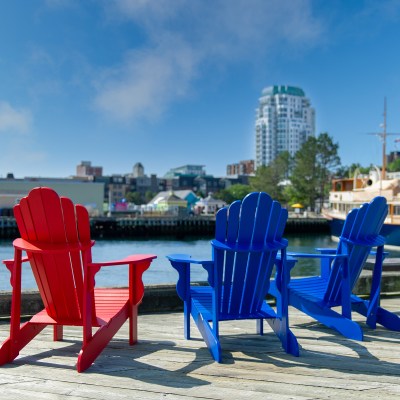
point(349, 171)
point(327, 161)
point(270, 178)
point(234, 192)
point(313, 170)
point(134, 197)
point(304, 176)
point(394, 165)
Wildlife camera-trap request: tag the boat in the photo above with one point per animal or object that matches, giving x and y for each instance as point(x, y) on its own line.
point(349, 193)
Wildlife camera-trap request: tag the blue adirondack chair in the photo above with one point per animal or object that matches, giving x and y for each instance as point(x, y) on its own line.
point(248, 236)
point(340, 269)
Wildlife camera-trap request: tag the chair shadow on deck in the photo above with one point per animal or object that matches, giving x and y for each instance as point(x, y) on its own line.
point(351, 358)
point(247, 351)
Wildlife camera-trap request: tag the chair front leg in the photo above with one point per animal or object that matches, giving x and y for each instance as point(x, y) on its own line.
point(374, 300)
point(88, 303)
point(183, 290)
point(136, 292)
point(346, 292)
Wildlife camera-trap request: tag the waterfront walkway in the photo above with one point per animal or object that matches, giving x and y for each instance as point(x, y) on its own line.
point(165, 366)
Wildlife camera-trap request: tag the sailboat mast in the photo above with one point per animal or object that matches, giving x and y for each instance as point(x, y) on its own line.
point(384, 141)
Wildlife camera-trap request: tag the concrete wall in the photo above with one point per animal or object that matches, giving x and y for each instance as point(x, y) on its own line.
point(163, 298)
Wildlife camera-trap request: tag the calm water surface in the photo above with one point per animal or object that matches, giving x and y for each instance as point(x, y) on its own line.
point(160, 270)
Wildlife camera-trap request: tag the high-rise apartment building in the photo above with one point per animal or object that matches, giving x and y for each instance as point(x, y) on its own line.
point(284, 121)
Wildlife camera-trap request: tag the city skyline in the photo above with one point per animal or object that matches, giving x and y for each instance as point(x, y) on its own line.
point(175, 83)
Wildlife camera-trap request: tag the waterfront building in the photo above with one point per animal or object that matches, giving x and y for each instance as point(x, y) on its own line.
point(89, 194)
point(208, 205)
point(188, 196)
point(284, 121)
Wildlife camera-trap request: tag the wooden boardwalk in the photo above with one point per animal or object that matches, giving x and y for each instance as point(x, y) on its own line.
point(165, 366)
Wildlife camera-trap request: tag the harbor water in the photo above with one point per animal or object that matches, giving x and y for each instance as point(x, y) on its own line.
point(160, 271)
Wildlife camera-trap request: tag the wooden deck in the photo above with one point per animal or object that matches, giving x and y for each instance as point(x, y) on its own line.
point(165, 366)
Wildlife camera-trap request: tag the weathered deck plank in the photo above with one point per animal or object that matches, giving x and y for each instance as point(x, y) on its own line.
point(164, 365)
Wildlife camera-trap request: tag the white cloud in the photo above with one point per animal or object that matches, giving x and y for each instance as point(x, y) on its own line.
point(182, 36)
point(147, 81)
point(14, 120)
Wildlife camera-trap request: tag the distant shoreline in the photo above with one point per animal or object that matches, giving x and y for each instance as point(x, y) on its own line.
point(179, 227)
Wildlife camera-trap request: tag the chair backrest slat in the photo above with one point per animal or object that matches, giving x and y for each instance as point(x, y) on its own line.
point(362, 225)
point(42, 216)
point(248, 226)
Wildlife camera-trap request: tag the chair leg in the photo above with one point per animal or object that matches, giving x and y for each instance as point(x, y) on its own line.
point(210, 338)
point(91, 350)
point(10, 349)
point(186, 317)
point(280, 325)
point(285, 335)
point(328, 317)
point(57, 332)
point(381, 316)
point(260, 326)
point(388, 319)
point(133, 329)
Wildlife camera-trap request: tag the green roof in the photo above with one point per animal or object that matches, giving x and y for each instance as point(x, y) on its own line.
point(294, 91)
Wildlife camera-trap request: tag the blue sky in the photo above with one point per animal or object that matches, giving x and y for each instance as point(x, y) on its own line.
point(174, 82)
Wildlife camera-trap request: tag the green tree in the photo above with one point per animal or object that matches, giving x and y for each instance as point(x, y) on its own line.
point(148, 196)
point(327, 161)
point(134, 197)
point(270, 178)
point(394, 165)
point(234, 192)
point(349, 171)
point(313, 170)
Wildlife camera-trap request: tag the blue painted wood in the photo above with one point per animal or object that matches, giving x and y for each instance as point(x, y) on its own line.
point(248, 238)
point(340, 269)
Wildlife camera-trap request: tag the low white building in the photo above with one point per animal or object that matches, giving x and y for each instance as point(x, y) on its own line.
point(89, 194)
point(209, 205)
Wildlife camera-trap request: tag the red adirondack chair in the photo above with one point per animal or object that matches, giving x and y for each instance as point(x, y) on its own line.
point(55, 234)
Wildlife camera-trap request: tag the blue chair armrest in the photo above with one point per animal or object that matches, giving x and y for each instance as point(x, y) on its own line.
point(326, 250)
point(377, 240)
point(276, 245)
point(313, 255)
point(181, 263)
point(186, 258)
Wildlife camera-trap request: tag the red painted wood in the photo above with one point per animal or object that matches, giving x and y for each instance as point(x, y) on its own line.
point(55, 234)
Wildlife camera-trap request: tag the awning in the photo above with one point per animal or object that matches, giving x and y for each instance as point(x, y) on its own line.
point(297, 205)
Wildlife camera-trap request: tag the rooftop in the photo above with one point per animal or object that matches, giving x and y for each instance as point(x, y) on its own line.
point(283, 89)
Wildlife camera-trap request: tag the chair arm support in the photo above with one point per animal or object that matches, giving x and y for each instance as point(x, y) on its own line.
point(312, 255)
point(49, 248)
point(133, 259)
point(187, 259)
point(276, 245)
point(9, 263)
point(181, 263)
point(373, 241)
point(326, 250)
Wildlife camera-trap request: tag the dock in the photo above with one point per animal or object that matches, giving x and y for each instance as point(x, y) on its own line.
point(163, 365)
point(157, 226)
